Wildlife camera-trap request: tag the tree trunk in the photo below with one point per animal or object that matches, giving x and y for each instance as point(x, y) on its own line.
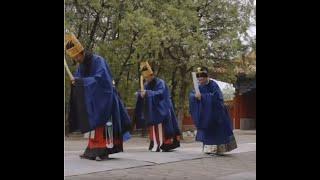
point(124, 64)
point(106, 30)
point(182, 94)
point(79, 31)
point(174, 87)
point(93, 32)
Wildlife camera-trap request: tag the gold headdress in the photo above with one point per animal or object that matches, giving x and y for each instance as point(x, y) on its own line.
point(72, 45)
point(145, 69)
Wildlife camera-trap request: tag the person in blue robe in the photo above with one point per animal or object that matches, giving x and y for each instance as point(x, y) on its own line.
point(154, 110)
point(210, 116)
point(95, 105)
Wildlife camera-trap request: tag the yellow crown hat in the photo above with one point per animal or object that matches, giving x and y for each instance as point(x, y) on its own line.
point(145, 69)
point(76, 46)
point(201, 70)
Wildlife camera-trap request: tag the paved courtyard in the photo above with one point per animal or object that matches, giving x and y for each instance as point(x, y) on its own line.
point(187, 162)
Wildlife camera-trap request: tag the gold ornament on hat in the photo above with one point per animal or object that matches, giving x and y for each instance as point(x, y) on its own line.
point(76, 47)
point(199, 71)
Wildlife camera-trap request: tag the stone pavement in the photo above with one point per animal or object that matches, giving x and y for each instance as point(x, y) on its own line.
point(187, 162)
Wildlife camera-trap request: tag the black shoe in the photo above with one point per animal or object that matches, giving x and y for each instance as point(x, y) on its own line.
point(151, 145)
point(166, 147)
point(82, 156)
point(104, 157)
point(219, 154)
point(175, 144)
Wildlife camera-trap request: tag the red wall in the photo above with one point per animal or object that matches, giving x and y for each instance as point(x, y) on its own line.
point(245, 107)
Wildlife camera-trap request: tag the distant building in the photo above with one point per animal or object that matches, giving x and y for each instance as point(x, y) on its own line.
point(244, 104)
